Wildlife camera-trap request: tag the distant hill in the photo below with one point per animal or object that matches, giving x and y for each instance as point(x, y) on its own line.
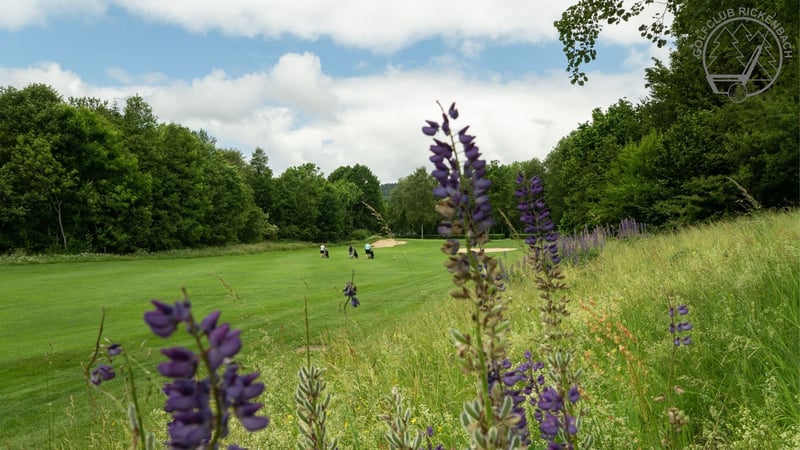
point(386, 190)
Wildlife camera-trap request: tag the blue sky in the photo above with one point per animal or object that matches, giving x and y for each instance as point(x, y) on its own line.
point(332, 87)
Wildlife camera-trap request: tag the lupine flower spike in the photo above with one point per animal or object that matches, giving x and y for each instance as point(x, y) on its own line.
point(350, 291)
point(463, 189)
point(201, 407)
point(555, 405)
point(678, 328)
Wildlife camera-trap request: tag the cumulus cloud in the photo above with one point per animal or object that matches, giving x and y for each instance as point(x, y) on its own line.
point(214, 96)
point(298, 80)
point(377, 25)
point(17, 14)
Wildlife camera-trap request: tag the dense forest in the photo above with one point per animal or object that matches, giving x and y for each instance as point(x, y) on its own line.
point(81, 175)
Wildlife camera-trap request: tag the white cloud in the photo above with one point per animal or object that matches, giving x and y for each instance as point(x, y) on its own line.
point(215, 96)
point(380, 25)
point(119, 74)
point(65, 82)
point(298, 80)
point(17, 14)
point(471, 48)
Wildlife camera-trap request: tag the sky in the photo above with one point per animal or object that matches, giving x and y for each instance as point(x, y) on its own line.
point(330, 83)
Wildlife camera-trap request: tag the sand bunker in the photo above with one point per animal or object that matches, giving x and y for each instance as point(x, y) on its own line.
point(386, 243)
point(491, 250)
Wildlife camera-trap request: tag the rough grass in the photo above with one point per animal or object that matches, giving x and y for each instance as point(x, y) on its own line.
point(741, 281)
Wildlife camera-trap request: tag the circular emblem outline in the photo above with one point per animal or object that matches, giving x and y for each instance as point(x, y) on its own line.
point(737, 92)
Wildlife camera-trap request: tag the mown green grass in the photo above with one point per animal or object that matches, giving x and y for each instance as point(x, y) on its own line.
point(52, 313)
point(741, 376)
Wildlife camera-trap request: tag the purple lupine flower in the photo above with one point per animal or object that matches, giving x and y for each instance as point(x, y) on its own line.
point(550, 400)
point(574, 394)
point(513, 377)
point(182, 363)
point(165, 319)
point(224, 343)
point(681, 309)
point(431, 129)
point(549, 426)
point(428, 436)
point(162, 321)
point(542, 239)
point(189, 430)
point(193, 423)
point(350, 291)
point(186, 395)
point(114, 349)
point(540, 380)
point(462, 186)
point(239, 391)
point(445, 124)
point(209, 323)
point(102, 372)
point(453, 112)
point(246, 415)
point(571, 426)
point(676, 329)
point(510, 378)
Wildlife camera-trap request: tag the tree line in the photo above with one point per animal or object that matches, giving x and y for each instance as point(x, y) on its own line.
point(685, 154)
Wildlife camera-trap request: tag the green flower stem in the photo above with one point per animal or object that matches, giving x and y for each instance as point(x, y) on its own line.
point(96, 352)
point(213, 379)
point(139, 422)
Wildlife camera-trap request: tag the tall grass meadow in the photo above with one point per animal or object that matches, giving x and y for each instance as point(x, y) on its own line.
point(612, 339)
